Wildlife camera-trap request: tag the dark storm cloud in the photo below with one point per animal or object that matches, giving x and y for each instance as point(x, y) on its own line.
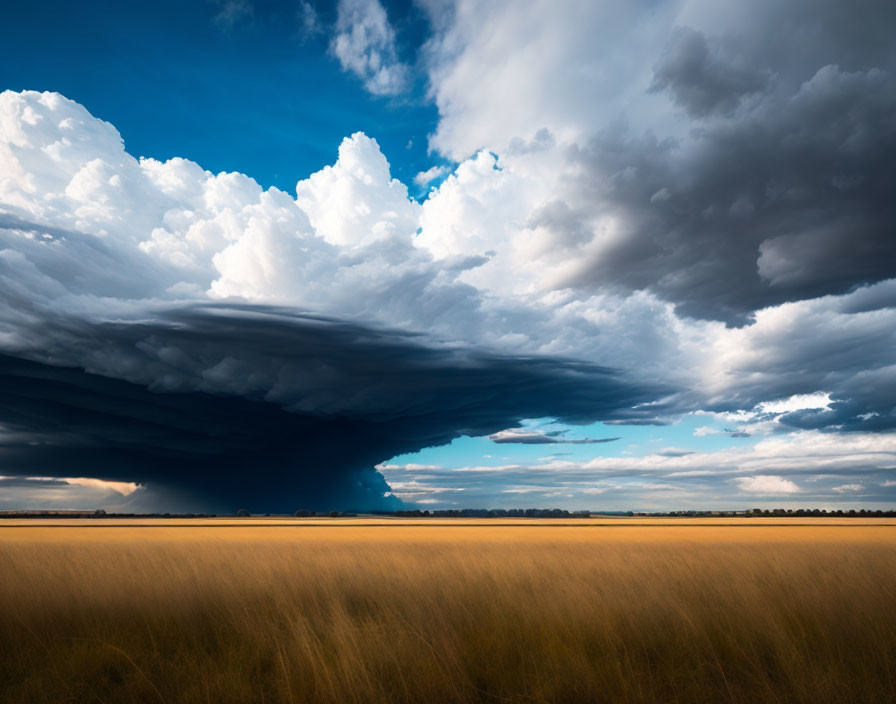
point(520, 436)
point(785, 204)
point(269, 409)
point(7, 483)
point(847, 415)
point(700, 78)
point(783, 188)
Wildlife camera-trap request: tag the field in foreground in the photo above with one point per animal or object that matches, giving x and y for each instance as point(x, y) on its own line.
point(367, 611)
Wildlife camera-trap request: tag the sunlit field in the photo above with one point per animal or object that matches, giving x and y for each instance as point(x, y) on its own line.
point(363, 610)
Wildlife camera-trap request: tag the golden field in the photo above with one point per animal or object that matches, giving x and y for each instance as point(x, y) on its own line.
point(386, 610)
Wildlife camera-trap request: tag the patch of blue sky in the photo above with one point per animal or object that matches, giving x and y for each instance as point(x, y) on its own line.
point(635, 441)
point(260, 96)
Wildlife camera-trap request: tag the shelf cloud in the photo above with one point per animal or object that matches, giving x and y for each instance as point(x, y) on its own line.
point(266, 408)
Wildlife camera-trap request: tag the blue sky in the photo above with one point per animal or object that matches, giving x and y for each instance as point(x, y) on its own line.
point(634, 441)
point(665, 222)
point(257, 93)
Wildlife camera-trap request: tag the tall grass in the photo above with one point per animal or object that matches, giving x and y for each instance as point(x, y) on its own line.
point(483, 614)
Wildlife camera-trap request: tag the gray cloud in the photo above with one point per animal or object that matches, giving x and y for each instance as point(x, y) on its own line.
point(700, 78)
point(639, 421)
point(522, 436)
point(734, 156)
point(754, 210)
point(821, 345)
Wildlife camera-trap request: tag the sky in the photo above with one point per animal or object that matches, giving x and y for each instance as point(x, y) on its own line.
point(448, 253)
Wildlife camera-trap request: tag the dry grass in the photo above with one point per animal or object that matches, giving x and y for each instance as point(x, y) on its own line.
point(448, 613)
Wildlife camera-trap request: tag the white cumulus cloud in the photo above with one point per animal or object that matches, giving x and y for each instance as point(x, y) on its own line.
point(766, 484)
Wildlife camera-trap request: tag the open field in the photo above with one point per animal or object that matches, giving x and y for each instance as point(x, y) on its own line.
point(399, 610)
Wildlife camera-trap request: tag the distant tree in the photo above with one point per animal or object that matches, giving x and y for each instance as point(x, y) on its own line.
point(242, 513)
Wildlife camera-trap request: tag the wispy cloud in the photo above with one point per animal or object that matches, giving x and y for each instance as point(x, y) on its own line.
point(309, 20)
point(431, 174)
point(364, 44)
point(232, 12)
point(523, 436)
point(848, 488)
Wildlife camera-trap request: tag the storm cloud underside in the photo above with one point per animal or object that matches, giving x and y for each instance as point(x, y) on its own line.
point(271, 410)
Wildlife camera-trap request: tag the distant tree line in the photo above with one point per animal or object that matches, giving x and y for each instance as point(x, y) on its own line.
point(485, 513)
point(561, 513)
point(99, 513)
point(489, 513)
point(793, 512)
